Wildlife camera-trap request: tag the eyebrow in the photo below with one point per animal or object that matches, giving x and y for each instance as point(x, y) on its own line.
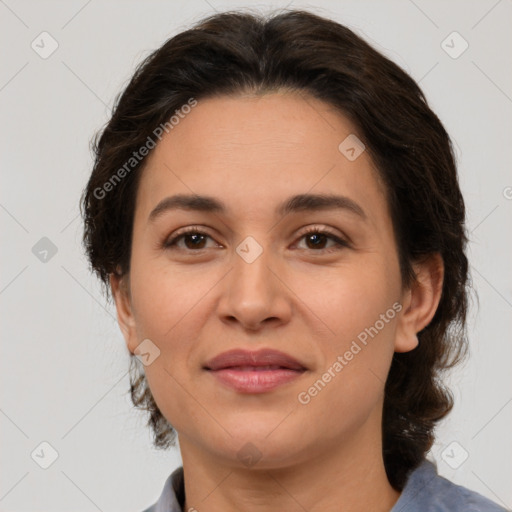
point(296, 203)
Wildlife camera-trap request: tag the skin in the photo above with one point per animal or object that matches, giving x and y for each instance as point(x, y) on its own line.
point(310, 301)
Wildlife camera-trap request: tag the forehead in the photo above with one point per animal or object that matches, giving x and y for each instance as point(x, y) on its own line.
point(289, 125)
point(255, 150)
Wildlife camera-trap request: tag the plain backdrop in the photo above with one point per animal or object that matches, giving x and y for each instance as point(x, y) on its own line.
point(64, 362)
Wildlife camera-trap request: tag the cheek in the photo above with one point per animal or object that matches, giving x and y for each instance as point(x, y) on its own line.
point(169, 311)
point(349, 300)
point(171, 306)
point(164, 296)
point(355, 359)
point(359, 307)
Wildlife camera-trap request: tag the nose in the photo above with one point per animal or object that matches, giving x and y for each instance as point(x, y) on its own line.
point(254, 294)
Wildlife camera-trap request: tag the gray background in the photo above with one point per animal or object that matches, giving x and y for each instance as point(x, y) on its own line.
point(64, 362)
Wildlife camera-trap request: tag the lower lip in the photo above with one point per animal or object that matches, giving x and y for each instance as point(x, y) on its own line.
point(255, 381)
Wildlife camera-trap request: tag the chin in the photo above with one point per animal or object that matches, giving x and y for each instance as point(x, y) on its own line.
point(260, 448)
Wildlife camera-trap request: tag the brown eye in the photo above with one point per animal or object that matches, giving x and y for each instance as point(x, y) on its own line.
point(193, 240)
point(197, 241)
point(317, 239)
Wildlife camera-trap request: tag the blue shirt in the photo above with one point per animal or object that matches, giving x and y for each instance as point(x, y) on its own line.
point(424, 491)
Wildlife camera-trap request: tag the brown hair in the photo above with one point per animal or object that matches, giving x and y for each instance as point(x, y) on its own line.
point(239, 52)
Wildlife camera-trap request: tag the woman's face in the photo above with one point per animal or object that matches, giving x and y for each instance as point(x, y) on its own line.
point(257, 280)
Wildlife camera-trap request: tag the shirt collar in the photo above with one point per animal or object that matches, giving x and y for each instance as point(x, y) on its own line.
point(172, 498)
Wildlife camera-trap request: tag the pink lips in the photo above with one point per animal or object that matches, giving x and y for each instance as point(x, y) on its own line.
point(254, 372)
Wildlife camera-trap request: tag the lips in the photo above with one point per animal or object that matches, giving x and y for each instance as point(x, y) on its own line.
point(262, 360)
point(254, 372)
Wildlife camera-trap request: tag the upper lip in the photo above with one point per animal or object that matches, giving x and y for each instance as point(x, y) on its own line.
point(264, 357)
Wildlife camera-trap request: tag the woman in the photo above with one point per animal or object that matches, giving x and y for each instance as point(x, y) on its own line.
point(276, 211)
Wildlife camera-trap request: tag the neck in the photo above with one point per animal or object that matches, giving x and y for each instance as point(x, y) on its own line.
point(347, 476)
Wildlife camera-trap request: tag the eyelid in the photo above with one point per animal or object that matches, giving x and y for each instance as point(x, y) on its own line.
point(324, 229)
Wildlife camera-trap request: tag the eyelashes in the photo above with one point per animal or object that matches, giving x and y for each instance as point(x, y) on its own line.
point(197, 236)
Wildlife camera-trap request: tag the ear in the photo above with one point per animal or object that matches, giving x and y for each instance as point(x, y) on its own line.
point(420, 301)
point(121, 292)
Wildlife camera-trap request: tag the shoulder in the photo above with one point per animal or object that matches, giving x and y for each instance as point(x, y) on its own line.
point(171, 498)
point(426, 490)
